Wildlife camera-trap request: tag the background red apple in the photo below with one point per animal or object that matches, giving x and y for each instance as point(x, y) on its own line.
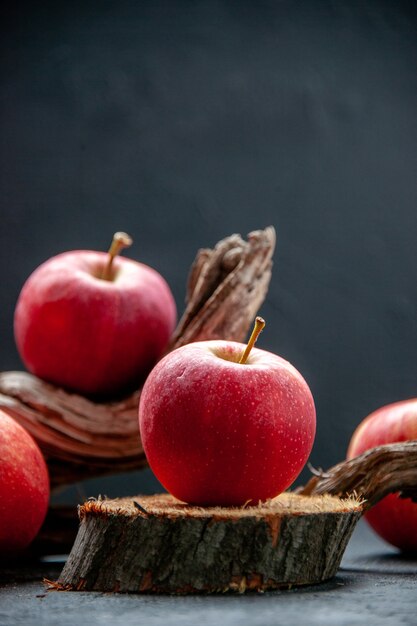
point(219, 432)
point(24, 486)
point(93, 323)
point(393, 518)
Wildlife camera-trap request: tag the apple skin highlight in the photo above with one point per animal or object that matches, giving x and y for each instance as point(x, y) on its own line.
point(393, 518)
point(91, 335)
point(217, 432)
point(24, 487)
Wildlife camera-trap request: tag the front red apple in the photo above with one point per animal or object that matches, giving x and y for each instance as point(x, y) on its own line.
point(24, 486)
point(393, 518)
point(216, 431)
point(92, 334)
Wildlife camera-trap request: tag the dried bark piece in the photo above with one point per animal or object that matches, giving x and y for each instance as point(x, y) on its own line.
point(175, 548)
point(226, 288)
point(372, 475)
point(81, 438)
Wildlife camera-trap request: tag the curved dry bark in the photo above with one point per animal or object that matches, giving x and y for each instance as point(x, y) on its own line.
point(81, 438)
point(372, 475)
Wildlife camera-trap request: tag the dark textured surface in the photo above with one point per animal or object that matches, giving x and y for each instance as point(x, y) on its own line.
point(182, 122)
point(375, 586)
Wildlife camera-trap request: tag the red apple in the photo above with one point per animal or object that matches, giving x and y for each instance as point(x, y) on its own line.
point(219, 432)
point(94, 323)
point(24, 486)
point(393, 518)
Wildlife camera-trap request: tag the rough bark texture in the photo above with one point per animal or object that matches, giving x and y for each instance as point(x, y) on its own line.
point(226, 288)
point(81, 438)
point(174, 548)
point(372, 475)
point(157, 544)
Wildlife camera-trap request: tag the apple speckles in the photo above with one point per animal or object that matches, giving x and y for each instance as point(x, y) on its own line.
point(237, 426)
point(71, 327)
point(24, 486)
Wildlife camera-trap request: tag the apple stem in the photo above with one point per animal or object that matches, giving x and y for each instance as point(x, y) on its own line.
point(120, 241)
point(257, 329)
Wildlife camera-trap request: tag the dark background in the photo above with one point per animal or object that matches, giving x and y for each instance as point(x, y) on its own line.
point(183, 122)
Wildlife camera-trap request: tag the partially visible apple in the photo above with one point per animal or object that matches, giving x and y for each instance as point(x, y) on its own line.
point(218, 429)
point(24, 486)
point(93, 322)
point(393, 518)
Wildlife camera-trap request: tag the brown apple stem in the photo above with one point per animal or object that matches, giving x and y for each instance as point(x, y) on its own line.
point(257, 329)
point(120, 240)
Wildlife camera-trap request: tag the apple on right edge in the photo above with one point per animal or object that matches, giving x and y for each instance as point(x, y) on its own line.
point(223, 424)
point(393, 518)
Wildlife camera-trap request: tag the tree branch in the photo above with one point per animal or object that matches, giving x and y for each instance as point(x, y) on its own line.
point(372, 475)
